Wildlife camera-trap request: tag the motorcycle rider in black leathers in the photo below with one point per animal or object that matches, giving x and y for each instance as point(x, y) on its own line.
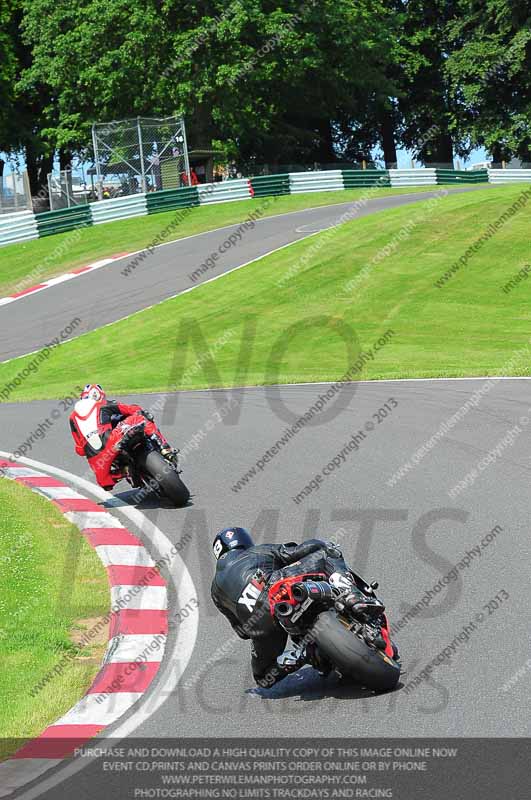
point(245, 571)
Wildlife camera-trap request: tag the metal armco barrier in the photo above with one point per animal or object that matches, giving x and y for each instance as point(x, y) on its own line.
point(413, 177)
point(330, 181)
point(66, 219)
point(20, 227)
point(509, 175)
point(225, 192)
point(172, 199)
point(461, 176)
point(359, 178)
point(118, 208)
point(26, 225)
point(270, 185)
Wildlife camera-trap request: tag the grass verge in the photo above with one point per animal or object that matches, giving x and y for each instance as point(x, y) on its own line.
point(374, 274)
point(52, 588)
point(26, 264)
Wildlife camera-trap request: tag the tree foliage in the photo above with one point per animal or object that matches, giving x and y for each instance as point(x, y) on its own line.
point(489, 70)
point(274, 81)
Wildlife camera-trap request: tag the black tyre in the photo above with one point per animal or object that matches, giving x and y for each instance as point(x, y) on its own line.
point(167, 478)
point(352, 657)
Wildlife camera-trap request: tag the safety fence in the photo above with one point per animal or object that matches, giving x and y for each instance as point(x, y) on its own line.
point(509, 175)
point(273, 185)
point(15, 193)
point(63, 220)
point(20, 227)
point(301, 182)
point(360, 178)
point(118, 208)
point(225, 191)
point(413, 177)
point(172, 199)
point(449, 176)
point(26, 225)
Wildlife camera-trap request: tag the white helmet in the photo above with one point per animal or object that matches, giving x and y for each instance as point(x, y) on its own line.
point(93, 391)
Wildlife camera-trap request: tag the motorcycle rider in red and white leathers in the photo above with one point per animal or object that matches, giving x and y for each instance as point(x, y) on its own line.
point(93, 423)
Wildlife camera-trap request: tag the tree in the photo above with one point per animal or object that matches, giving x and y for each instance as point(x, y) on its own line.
point(275, 81)
point(21, 120)
point(99, 60)
point(270, 80)
point(7, 74)
point(489, 71)
point(425, 101)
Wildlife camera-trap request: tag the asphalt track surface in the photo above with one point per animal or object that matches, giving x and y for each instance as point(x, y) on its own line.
point(419, 533)
point(406, 536)
point(106, 295)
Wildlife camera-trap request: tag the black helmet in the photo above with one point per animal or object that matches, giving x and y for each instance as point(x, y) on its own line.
point(231, 539)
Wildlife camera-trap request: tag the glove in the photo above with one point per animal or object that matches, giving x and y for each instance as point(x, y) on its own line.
point(148, 415)
point(291, 552)
point(285, 551)
point(332, 550)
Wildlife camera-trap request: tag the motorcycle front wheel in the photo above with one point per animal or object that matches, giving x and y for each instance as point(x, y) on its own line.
point(352, 657)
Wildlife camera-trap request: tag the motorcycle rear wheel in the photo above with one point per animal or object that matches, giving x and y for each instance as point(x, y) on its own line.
point(167, 478)
point(352, 657)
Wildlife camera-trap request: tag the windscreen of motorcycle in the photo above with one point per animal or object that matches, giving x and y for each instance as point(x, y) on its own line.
point(86, 414)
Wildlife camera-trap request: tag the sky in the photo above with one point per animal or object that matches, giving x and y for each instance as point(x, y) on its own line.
point(476, 157)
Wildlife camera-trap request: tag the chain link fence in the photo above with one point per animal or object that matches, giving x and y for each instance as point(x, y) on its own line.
point(66, 190)
point(140, 155)
point(15, 193)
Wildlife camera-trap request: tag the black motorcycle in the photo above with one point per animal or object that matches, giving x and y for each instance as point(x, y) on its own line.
point(348, 636)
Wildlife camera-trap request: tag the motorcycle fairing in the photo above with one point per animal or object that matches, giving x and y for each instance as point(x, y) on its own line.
point(86, 418)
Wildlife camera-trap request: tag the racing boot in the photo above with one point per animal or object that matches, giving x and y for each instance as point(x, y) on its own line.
point(169, 452)
point(292, 659)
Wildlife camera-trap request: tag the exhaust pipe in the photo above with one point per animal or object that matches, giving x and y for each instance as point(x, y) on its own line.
point(315, 590)
point(283, 610)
